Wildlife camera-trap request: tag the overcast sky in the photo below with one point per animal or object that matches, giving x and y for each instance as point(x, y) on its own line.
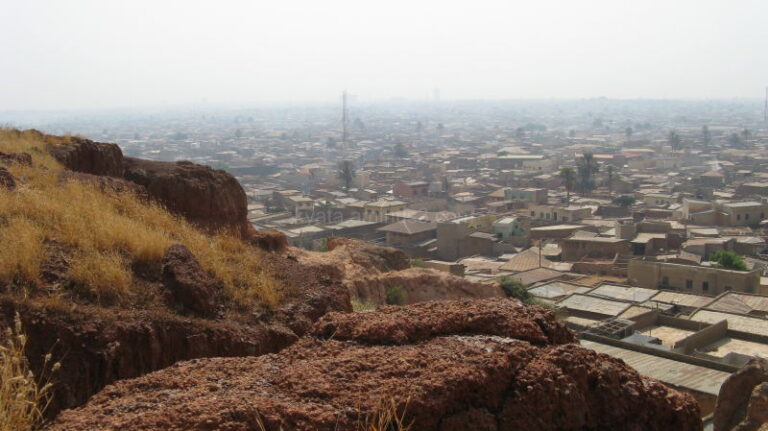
point(59, 54)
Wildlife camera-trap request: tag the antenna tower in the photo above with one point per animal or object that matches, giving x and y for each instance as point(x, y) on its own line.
point(344, 120)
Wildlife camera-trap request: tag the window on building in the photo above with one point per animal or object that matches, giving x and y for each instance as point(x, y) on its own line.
point(533, 213)
point(704, 285)
point(738, 216)
point(689, 284)
point(746, 216)
point(665, 281)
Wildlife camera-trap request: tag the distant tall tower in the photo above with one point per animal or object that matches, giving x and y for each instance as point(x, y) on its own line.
point(344, 120)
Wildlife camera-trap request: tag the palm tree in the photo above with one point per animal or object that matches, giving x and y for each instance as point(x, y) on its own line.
point(346, 173)
point(587, 168)
point(568, 175)
point(610, 179)
point(674, 140)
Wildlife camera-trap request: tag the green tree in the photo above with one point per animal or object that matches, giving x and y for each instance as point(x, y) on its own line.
point(587, 169)
point(346, 173)
point(674, 140)
point(706, 135)
point(568, 175)
point(728, 260)
point(628, 133)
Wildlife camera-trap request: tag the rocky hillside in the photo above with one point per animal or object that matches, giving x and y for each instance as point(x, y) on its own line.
point(120, 267)
point(451, 365)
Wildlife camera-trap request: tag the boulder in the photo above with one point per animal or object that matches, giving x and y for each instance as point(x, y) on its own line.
point(188, 284)
point(267, 240)
point(6, 179)
point(89, 157)
point(450, 375)
point(211, 199)
point(24, 159)
point(739, 396)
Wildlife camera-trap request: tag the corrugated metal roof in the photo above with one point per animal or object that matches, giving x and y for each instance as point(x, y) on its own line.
point(675, 373)
point(594, 304)
point(752, 325)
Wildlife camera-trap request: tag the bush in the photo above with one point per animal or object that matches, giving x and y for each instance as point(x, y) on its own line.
point(729, 260)
point(417, 263)
point(396, 295)
point(514, 288)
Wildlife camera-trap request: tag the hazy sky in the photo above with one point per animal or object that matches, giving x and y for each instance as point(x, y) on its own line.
point(106, 53)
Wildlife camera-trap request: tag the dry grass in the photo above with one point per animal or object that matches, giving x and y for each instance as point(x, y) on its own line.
point(107, 232)
point(104, 276)
point(387, 416)
point(24, 397)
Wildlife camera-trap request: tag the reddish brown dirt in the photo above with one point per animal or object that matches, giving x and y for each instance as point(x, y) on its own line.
point(98, 346)
point(449, 382)
point(732, 410)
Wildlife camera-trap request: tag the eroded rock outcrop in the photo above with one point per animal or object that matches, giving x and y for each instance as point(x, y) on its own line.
point(741, 397)
point(369, 272)
point(6, 179)
point(188, 285)
point(419, 285)
point(89, 157)
point(24, 159)
point(97, 346)
point(449, 374)
point(209, 198)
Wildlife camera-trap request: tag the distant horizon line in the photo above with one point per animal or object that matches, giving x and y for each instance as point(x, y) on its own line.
point(365, 101)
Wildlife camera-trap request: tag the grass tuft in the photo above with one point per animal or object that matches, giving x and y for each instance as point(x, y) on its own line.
point(24, 397)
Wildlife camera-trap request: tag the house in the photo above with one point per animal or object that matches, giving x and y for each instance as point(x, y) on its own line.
point(533, 195)
point(576, 249)
point(569, 213)
point(408, 233)
point(703, 280)
point(411, 190)
point(377, 211)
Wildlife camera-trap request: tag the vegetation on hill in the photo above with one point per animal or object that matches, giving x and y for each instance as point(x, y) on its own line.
point(110, 243)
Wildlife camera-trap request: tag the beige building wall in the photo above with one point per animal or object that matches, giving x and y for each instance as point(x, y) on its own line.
point(691, 279)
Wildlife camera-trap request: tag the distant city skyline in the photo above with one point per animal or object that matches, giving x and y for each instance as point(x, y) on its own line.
point(88, 54)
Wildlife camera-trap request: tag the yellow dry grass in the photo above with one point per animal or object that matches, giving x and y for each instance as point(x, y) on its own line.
point(106, 232)
point(24, 397)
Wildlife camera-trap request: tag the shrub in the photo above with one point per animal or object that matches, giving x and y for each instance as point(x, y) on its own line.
point(24, 397)
point(396, 295)
point(729, 260)
point(21, 253)
point(417, 263)
point(360, 306)
point(514, 288)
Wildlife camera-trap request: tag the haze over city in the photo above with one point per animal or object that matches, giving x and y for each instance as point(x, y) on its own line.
point(106, 54)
